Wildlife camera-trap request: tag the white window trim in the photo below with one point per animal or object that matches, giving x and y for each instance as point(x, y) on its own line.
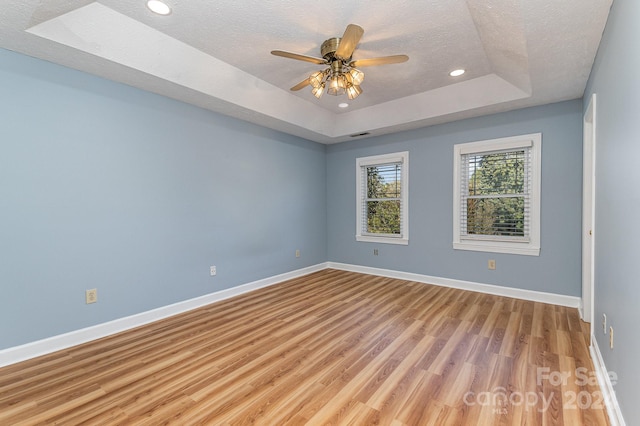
point(530, 247)
point(396, 157)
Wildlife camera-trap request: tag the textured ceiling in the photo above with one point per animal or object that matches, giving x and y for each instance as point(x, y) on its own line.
point(216, 55)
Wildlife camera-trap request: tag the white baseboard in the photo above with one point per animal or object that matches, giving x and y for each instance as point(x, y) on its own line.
point(609, 395)
point(73, 338)
point(517, 293)
point(63, 341)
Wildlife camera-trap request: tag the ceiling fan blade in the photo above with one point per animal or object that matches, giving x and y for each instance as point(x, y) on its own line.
point(349, 41)
point(384, 60)
point(304, 83)
point(299, 57)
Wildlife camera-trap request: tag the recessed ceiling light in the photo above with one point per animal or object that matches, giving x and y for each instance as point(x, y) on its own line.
point(156, 6)
point(457, 73)
point(343, 105)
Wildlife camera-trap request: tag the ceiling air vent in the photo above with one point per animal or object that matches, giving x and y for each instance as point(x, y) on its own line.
point(357, 135)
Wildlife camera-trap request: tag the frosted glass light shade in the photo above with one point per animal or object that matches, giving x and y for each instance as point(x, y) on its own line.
point(357, 76)
point(353, 91)
point(318, 91)
point(337, 85)
point(316, 78)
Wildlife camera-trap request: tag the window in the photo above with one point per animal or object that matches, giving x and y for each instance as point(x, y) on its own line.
point(382, 198)
point(496, 203)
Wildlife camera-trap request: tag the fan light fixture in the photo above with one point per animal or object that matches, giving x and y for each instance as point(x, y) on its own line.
point(340, 78)
point(338, 81)
point(342, 74)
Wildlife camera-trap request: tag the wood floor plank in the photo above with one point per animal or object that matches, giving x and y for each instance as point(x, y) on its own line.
point(331, 347)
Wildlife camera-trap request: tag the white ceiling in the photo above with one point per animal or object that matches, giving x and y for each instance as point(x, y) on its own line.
point(216, 54)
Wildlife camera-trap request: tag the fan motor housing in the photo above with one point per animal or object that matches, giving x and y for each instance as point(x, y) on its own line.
point(329, 47)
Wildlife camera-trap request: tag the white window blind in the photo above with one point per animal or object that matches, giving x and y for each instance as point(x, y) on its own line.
point(496, 200)
point(382, 199)
point(382, 212)
point(496, 194)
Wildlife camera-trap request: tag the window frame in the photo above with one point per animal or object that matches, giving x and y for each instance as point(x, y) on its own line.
point(527, 246)
point(379, 160)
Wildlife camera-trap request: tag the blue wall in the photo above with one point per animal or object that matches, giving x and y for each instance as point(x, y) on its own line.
point(106, 186)
point(615, 80)
point(109, 187)
point(430, 252)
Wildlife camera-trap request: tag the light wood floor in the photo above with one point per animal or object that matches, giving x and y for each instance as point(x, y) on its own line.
point(330, 348)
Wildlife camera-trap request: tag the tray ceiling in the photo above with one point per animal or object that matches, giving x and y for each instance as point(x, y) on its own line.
point(216, 55)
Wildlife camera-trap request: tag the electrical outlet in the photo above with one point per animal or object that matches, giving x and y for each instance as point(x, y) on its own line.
point(91, 296)
point(297, 253)
point(611, 337)
point(212, 270)
point(604, 323)
point(491, 264)
point(375, 252)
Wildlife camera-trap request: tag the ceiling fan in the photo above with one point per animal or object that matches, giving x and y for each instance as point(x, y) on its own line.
point(342, 74)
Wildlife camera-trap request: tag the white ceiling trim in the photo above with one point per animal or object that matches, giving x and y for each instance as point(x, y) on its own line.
point(420, 108)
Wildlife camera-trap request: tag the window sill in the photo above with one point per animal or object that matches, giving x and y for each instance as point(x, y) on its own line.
point(382, 240)
point(498, 247)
